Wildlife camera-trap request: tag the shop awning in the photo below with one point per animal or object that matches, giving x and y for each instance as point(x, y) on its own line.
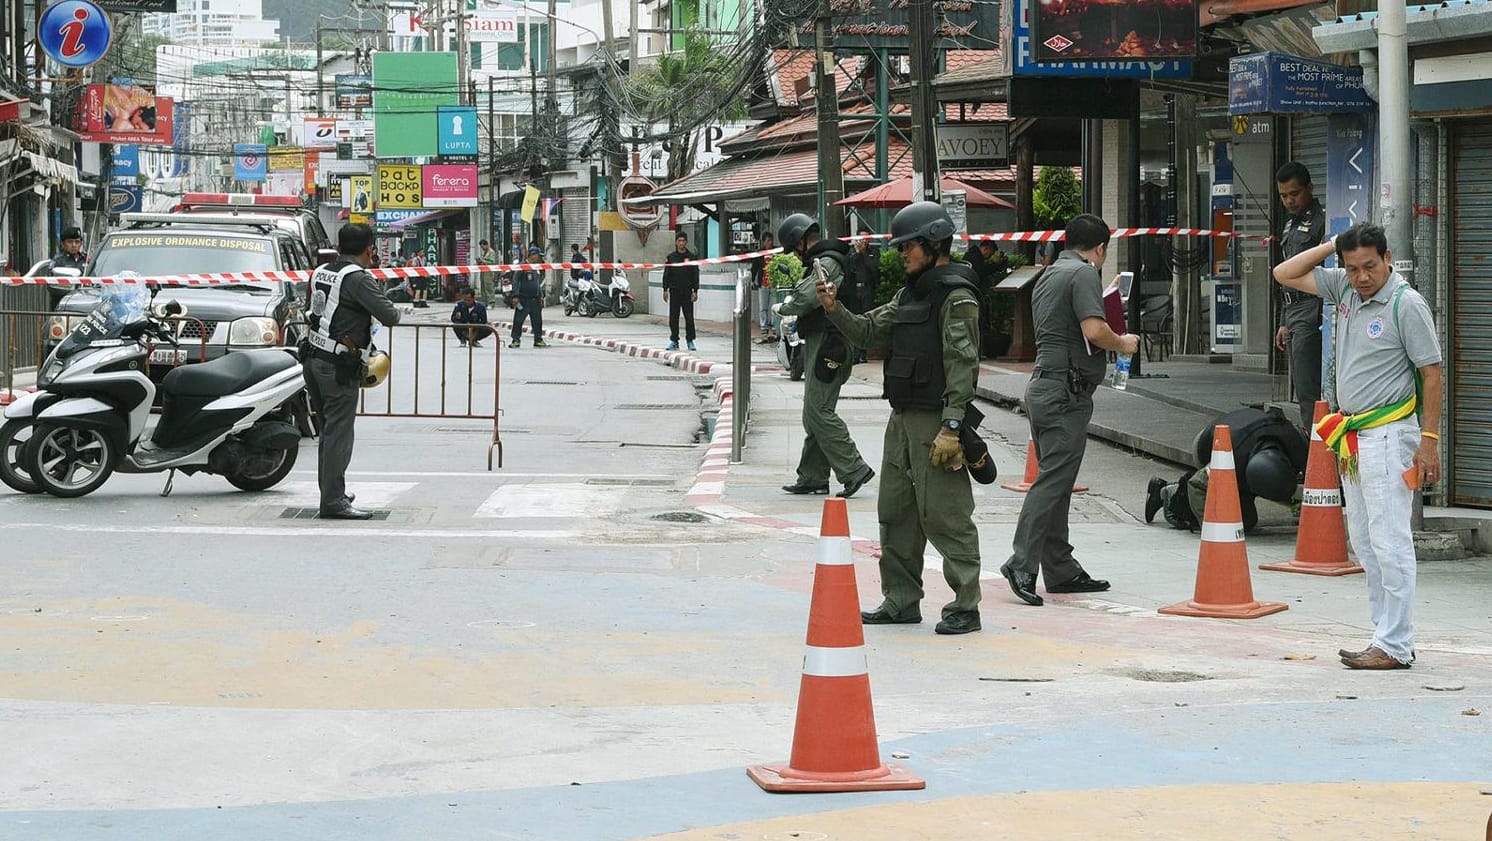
point(741, 178)
point(427, 218)
point(1454, 20)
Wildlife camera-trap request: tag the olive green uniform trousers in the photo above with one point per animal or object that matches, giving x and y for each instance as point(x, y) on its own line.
point(919, 503)
point(827, 442)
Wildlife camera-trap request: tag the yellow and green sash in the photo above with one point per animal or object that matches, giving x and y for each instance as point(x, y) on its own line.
point(1339, 431)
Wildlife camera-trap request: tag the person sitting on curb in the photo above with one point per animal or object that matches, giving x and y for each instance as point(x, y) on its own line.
point(1269, 456)
point(469, 310)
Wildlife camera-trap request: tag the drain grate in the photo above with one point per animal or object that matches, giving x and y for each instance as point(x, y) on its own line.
point(314, 514)
point(643, 407)
point(680, 517)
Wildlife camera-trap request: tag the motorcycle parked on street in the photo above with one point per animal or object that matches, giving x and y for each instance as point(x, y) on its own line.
point(590, 298)
point(232, 416)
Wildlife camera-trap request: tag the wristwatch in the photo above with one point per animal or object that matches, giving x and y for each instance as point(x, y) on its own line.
point(952, 425)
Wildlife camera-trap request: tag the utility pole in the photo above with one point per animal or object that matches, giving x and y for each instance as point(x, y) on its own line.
point(826, 103)
point(632, 31)
point(320, 79)
point(921, 29)
point(463, 56)
point(1397, 191)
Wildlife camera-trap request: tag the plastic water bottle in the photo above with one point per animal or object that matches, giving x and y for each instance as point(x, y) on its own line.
point(1121, 371)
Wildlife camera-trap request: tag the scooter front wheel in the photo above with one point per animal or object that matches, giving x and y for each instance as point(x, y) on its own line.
point(261, 470)
point(15, 437)
point(621, 307)
point(68, 462)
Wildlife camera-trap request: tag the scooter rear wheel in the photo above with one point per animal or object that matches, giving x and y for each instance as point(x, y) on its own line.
point(262, 470)
point(15, 436)
point(69, 462)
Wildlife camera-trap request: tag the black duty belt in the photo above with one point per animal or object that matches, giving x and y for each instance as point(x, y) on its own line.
point(1295, 296)
point(1039, 374)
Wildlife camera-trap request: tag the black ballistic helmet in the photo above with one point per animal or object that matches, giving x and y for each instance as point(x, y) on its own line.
point(793, 229)
point(921, 220)
point(1269, 474)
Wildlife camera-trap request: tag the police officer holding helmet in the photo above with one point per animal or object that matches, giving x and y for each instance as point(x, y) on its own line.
point(828, 359)
point(931, 329)
point(344, 301)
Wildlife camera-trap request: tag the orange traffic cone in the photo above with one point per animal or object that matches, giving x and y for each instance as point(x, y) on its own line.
point(1033, 469)
point(1321, 542)
point(834, 740)
point(1223, 589)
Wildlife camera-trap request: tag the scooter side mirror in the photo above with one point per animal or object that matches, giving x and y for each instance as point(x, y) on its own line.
point(65, 271)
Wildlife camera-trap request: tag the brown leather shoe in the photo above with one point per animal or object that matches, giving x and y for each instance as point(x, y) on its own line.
point(1374, 659)
point(1342, 652)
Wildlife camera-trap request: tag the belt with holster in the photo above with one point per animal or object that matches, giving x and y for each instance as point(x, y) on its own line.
point(1295, 296)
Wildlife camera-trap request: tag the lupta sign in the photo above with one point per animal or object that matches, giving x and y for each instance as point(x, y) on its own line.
point(973, 145)
point(450, 185)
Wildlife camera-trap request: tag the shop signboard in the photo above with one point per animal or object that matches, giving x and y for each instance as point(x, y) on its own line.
point(1276, 83)
point(126, 114)
point(449, 185)
point(400, 187)
point(1018, 55)
point(1113, 30)
point(408, 91)
point(384, 220)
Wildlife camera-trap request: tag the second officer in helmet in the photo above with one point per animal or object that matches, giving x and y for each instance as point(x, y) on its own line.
point(827, 444)
point(931, 330)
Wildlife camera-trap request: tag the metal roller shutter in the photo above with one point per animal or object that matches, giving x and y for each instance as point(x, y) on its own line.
point(1308, 145)
point(575, 218)
point(1469, 448)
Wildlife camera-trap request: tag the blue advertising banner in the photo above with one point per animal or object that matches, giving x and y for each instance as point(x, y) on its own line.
point(1351, 141)
point(1276, 83)
point(383, 220)
point(1018, 61)
point(457, 131)
point(126, 160)
point(250, 161)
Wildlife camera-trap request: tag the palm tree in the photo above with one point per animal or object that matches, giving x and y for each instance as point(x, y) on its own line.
point(687, 90)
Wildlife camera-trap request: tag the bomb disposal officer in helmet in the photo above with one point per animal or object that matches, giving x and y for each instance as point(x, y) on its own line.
point(931, 330)
point(1268, 454)
point(344, 300)
point(828, 360)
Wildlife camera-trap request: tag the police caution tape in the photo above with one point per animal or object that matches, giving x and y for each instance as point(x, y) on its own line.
point(218, 278)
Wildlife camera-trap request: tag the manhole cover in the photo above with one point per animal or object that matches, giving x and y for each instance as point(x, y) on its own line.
point(680, 517)
point(1153, 676)
point(315, 514)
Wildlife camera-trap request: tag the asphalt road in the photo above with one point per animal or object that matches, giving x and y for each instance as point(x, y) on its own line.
point(562, 649)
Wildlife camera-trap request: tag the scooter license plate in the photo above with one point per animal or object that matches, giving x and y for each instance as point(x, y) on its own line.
point(167, 356)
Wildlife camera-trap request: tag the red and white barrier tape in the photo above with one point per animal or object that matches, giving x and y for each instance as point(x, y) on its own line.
point(222, 278)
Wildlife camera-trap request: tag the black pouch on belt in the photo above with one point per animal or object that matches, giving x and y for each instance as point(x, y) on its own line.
point(976, 453)
point(834, 354)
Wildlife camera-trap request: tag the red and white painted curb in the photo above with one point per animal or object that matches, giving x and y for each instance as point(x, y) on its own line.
point(681, 360)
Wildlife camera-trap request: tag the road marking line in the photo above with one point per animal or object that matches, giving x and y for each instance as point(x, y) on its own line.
point(311, 528)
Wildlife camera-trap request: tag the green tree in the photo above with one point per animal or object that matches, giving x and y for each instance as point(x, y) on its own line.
point(1057, 198)
point(686, 90)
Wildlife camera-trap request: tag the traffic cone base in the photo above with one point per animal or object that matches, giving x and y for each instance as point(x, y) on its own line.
point(1223, 589)
point(1321, 543)
point(1033, 469)
point(834, 738)
point(784, 780)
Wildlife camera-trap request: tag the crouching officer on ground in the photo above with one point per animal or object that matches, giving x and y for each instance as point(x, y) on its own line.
point(344, 301)
point(1269, 454)
point(828, 358)
point(931, 329)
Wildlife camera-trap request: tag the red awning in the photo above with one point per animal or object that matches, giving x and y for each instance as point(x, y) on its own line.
point(898, 193)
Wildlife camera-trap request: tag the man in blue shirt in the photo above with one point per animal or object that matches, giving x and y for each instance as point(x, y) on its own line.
point(528, 288)
point(470, 311)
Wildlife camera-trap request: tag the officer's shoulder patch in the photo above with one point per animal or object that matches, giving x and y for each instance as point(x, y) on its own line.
point(964, 308)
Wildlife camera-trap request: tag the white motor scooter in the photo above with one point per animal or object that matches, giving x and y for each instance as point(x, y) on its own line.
point(231, 416)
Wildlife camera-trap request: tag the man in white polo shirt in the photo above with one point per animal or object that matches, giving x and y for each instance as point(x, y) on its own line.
point(1385, 430)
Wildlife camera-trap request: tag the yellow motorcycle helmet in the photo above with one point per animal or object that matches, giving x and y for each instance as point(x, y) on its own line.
point(375, 369)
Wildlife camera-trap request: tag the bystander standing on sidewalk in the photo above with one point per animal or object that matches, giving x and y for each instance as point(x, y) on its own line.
point(763, 286)
point(680, 290)
point(1385, 431)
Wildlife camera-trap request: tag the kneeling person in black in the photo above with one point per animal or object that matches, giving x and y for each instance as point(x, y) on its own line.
point(469, 310)
point(344, 301)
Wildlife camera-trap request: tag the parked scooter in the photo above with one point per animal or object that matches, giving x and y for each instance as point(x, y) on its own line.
point(590, 298)
point(232, 416)
point(790, 350)
point(617, 295)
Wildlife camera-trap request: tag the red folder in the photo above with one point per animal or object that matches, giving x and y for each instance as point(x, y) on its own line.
point(1113, 310)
